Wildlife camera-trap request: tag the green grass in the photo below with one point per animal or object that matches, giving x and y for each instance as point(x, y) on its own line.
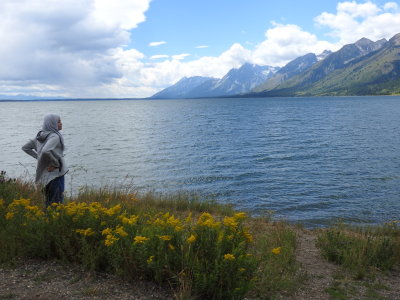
point(362, 250)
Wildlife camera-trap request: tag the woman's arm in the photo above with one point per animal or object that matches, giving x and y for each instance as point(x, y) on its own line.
point(30, 148)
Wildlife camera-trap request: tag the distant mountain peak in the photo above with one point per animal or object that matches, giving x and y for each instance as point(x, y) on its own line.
point(365, 45)
point(236, 81)
point(395, 41)
point(323, 55)
point(363, 41)
point(182, 87)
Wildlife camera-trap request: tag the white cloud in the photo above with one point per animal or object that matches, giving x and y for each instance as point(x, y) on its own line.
point(158, 56)
point(145, 80)
point(155, 44)
point(202, 46)
point(180, 56)
point(357, 10)
point(353, 21)
point(126, 14)
point(68, 45)
point(390, 6)
point(286, 42)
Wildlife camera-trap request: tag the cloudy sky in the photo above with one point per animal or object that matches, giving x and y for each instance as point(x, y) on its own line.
point(134, 48)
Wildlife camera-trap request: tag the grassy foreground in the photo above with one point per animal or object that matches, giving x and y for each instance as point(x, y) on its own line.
point(199, 248)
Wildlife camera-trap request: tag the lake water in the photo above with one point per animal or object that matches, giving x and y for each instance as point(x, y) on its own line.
point(311, 160)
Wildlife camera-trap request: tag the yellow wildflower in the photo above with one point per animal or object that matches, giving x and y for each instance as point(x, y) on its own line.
point(189, 218)
point(220, 236)
point(231, 222)
point(158, 221)
point(242, 269)
point(276, 250)
point(19, 202)
point(76, 208)
point(191, 239)
point(96, 205)
point(85, 232)
point(165, 237)
point(1, 203)
point(207, 220)
point(140, 239)
point(120, 231)
point(248, 236)
point(113, 210)
point(240, 216)
point(150, 259)
point(131, 220)
point(9, 215)
point(204, 217)
point(110, 240)
point(229, 256)
point(173, 221)
point(94, 211)
point(53, 214)
point(106, 231)
point(34, 210)
point(178, 228)
point(171, 247)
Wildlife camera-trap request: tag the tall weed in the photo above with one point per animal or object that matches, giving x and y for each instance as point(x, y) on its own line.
point(360, 249)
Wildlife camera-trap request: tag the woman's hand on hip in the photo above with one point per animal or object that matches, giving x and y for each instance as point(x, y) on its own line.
point(51, 168)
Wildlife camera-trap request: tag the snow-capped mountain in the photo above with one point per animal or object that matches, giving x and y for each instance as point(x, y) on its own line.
point(182, 87)
point(323, 55)
point(236, 81)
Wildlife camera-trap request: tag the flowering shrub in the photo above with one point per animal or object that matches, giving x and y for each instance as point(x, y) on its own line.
point(210, 254)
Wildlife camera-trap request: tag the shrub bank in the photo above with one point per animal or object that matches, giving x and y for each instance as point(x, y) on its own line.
point(209, 255)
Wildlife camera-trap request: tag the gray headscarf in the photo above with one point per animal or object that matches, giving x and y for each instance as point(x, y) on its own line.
point(50, 124)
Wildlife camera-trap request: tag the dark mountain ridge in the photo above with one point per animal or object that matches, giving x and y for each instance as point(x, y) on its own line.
point(363, 68)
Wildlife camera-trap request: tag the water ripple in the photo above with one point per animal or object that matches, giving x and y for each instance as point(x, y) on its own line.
point(313, 161)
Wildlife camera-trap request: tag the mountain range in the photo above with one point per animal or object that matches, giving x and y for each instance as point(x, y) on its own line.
point(362, 68)
point(236, 81)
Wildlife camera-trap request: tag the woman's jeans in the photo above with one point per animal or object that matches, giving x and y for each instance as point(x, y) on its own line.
point(54, 192)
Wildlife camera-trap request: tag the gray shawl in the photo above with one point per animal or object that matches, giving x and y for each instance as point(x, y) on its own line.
point(48, 149)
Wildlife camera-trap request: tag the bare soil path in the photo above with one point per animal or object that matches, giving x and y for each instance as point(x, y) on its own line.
point(323, 276)
point(51, 280)
point(319, 272)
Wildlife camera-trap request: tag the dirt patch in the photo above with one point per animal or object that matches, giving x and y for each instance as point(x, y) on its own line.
point(50, 280)
point(326, 280)
point(319, 272)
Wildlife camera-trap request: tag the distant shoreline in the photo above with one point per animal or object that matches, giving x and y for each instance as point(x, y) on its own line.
point(74, 99)
point(202, 98)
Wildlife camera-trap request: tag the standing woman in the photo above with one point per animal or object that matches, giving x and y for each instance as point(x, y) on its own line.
point(48, 148)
